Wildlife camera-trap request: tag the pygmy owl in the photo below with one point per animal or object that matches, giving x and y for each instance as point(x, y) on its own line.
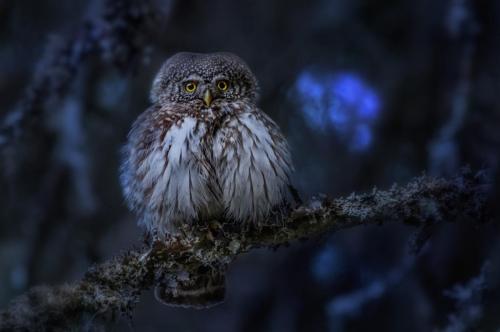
point(204, 150)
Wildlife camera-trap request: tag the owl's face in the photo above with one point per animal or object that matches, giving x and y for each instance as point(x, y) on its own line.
point(204, 79)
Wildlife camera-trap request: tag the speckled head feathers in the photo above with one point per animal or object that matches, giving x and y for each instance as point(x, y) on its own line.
point(204, 69)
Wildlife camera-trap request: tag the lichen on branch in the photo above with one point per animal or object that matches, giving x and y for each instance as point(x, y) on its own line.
point(182, 266)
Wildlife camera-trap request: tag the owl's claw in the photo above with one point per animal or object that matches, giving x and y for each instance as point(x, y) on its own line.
point(146, 255)
point(214, 227)
point(150, 240)
point(210, 235)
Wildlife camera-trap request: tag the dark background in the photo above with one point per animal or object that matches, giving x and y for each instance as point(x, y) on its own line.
point(369, 93)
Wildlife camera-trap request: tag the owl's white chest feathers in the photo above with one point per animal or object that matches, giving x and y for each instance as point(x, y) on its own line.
point(177, 179)
point(253, 166)
point(240, 171)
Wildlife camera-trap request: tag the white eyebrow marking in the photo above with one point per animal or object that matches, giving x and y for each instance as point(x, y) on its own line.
point(193, 77)
point(220, 77)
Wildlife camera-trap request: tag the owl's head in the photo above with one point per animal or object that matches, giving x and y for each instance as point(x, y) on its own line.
point(206, 79)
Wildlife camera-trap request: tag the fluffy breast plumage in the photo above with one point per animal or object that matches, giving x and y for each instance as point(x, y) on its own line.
point(253, 164)
point(168, 174)
point(181, 166)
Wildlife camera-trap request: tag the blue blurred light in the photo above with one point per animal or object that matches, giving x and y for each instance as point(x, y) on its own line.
point(309, 86)
point(18, 277)
point(348, 87)
point(313, 91)
point(338, 115)
point(369, 106)
point(326, 264)
point(342, 102)
point(362, 137)
point(351, 304)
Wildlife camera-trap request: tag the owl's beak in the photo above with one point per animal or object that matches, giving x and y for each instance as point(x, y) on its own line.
point(207, 98)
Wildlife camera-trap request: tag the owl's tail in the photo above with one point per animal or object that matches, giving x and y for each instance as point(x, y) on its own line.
point(201, 292)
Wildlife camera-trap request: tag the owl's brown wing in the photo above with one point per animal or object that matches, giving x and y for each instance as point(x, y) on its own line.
point(255, 164)
point(282, 152)
point(144, 137)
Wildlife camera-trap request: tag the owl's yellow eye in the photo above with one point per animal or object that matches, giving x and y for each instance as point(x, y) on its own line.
point(190, 87)
point(222, 85)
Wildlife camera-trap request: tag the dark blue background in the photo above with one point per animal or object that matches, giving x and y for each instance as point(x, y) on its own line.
point(369, 93)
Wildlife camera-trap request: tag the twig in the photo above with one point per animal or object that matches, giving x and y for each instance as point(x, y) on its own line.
point(118, 36)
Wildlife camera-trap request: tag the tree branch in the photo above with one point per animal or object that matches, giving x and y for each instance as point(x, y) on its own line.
point(118, 36)
point(181, 266)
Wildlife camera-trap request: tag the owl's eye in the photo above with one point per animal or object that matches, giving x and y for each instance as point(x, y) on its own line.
point(222, 85)
point(190, 87)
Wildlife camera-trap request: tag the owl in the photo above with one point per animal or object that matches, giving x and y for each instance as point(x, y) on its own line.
point(203, 150)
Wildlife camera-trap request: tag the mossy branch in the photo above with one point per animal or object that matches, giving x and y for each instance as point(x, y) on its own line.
point(189, 271)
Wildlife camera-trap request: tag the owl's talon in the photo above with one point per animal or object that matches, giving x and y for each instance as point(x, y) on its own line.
point(146, 255)
point(210, 236)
